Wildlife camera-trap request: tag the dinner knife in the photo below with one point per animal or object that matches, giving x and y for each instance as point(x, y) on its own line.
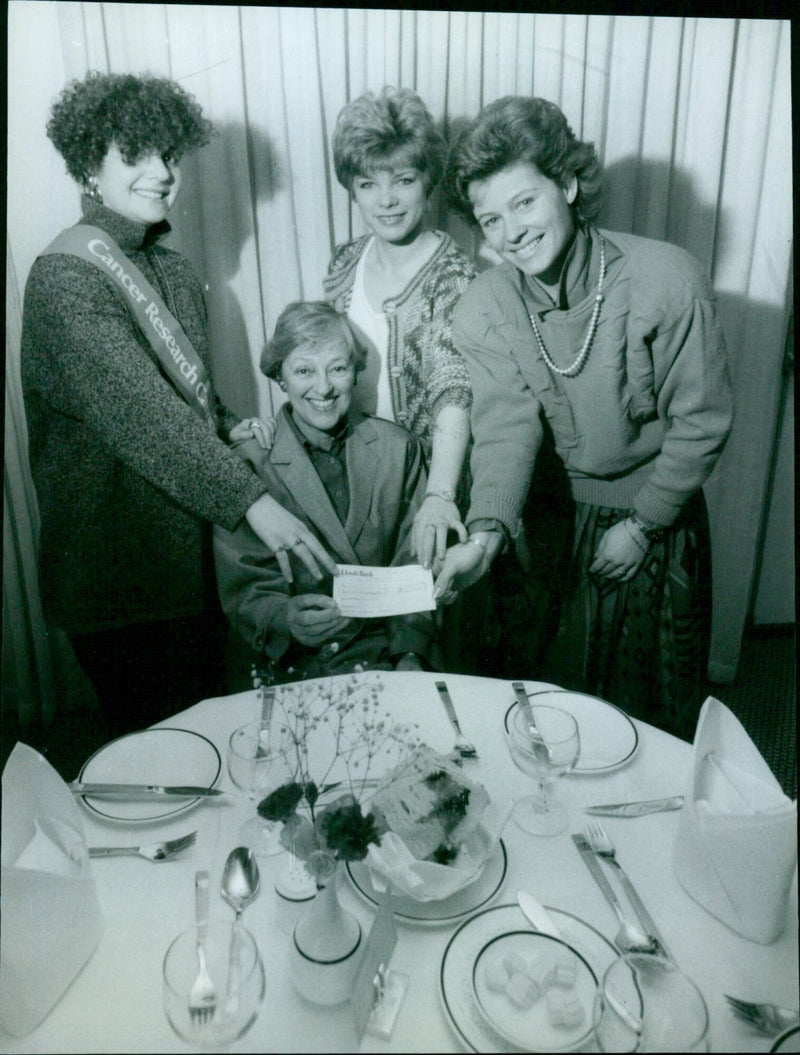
point(637, 809)
point(138, 791)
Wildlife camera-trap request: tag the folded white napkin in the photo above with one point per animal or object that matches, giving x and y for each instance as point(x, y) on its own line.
point(736, 847)
point(51, 916)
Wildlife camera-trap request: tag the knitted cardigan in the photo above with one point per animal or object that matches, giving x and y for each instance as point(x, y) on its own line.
point(426, 371)
point(125, 471)
point(642, 425)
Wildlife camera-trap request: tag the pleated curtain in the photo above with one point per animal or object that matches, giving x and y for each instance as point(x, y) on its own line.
point(691, 118)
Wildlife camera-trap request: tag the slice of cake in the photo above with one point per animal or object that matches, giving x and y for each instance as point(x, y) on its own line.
point(432, 806)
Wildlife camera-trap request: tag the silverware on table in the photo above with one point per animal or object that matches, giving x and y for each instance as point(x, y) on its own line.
point(766, 1018)
point(163, 851)
point(525, 706)
point(202, 995)
point(140, 791)
point(537, 914)
point(602, 846)
point(462, 745)
point(630, 937)
point(637, 809)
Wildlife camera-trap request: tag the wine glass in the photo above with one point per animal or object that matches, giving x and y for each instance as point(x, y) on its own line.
point(236, 972)
point(257, 764)
point(647, 1004)
point(546, 751)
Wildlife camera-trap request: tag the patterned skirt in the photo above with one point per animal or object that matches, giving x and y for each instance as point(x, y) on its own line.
point(642, 644)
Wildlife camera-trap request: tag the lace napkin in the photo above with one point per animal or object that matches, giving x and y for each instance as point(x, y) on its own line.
point(736, 847)
point(51, 916)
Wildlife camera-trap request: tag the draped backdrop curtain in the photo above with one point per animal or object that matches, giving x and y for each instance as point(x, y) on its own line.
point(691, 118)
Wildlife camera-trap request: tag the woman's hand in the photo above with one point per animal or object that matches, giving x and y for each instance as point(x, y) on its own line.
point(620, 552)
point(282, 531)
point(313, 619)
point(463, 565)
point(254, 428)
point(435, 518)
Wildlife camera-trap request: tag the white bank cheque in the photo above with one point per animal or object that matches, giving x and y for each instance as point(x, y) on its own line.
point(365, 593)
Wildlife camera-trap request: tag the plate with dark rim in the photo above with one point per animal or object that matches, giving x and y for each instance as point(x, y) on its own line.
point(466, 944)
point(449, 910)
point(609, 738)
point(162, 755)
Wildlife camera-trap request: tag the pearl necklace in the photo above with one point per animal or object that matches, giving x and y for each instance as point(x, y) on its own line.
point(575, 368)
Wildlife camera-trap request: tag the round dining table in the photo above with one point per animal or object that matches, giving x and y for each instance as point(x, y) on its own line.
point(115, 1002)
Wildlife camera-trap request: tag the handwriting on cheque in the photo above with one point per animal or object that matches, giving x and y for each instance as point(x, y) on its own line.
point(366, 593)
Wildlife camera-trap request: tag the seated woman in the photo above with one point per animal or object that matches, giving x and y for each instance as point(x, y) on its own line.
point(355, 481)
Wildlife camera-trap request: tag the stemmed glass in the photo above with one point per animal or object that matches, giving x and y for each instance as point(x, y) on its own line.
point(257, 764)
point(546, 750)
point(647, 1004)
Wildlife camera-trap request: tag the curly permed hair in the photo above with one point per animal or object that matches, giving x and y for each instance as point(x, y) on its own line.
point(313, 322)
point(140, 114)
point(517, 128)
point(395, 126)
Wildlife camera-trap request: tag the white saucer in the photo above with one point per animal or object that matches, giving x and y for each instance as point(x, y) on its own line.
point(468, 899)
point(609, 739)
point(464, 947)
point(151, 756)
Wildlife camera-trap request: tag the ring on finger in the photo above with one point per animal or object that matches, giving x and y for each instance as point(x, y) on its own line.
point(297, 542)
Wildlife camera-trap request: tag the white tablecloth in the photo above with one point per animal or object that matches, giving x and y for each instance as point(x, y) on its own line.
point(115, 1003)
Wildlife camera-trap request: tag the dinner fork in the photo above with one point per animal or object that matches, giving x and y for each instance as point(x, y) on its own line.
point(202, 995)
point(152, 851)
point(603, 847)
point(462, 745)
point(766, 1018)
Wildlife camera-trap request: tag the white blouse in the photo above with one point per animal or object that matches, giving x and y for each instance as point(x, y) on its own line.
point(372, 394)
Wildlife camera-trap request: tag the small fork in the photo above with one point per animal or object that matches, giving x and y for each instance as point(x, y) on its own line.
point(766, 1018)
point(202, 995)
point(152, 851)
point(464, 748)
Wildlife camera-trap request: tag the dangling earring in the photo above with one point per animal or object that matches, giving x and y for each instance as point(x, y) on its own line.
point(94, 191)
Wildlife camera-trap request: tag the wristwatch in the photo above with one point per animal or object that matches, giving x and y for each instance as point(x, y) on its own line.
point(650, 531)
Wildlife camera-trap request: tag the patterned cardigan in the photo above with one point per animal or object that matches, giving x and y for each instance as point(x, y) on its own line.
point(426, 372)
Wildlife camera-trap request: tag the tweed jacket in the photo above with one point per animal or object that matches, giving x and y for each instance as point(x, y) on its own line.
point(125, 471)
point(386, 480)
point(426, 371)
point(642, 424)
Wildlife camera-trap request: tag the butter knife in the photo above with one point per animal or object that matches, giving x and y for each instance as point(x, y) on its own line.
point(637, 809)
point(139, 791)
point(537, 914)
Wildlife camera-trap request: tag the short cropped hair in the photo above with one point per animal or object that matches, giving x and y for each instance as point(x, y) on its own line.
point(312, 322)
point(387, 130)
point(140, 114)
point(517, 128)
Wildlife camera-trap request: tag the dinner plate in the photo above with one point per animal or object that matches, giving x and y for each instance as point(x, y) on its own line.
point(449, 910)
point(789, 1040)
point(535, 990)
point(151, 756)
point(608, 736)
point(466, 944)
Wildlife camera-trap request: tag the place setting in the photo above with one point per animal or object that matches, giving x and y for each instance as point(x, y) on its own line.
point(340, 802)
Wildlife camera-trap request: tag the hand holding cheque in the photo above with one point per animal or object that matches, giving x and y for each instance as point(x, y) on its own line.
point(367, 592)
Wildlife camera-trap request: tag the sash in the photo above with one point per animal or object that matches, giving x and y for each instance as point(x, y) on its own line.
point(162, 330)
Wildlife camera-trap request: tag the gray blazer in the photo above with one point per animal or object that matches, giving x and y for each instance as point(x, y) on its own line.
point(386, 478)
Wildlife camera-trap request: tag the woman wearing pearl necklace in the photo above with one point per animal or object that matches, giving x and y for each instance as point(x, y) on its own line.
point(611, 343)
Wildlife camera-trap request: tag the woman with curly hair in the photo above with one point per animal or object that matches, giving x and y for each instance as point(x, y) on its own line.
point(123, 423)
point(612, 342)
